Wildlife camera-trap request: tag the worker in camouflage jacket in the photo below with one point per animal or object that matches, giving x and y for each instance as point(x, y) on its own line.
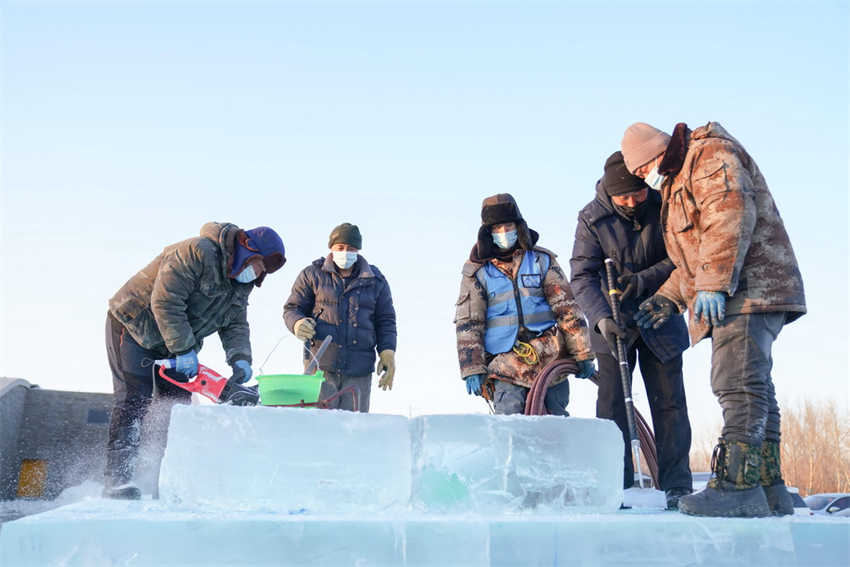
point(343, 296)
point(736, 274)
point(623, 223)
point(514, 295)
point(194, 288)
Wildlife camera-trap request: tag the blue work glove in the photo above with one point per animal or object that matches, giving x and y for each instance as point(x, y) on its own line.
point(186, 364)
point(585, 369)
point(710, 306)
point(473, 384)
point(654, 312)
point(241, 371)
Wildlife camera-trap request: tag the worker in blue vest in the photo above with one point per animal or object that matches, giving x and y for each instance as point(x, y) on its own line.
point(515, 314)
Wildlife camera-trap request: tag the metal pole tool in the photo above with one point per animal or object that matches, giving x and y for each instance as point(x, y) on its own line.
point(625, 373)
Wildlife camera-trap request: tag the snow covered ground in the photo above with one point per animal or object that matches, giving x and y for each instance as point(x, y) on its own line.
point(261, 486)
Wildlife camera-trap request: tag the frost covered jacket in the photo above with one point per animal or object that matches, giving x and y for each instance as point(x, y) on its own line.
point(570, 339)
point(359, 315)
point(723, 233)
point(638, 247)
point(185, 294)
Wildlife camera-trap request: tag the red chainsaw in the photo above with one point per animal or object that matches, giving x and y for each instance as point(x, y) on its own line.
point(209, 384)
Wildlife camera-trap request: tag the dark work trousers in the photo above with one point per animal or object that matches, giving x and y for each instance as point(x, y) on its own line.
point(335, 383)
point(133, 384)
point(741, 362)
point(666, 392)
point(510, 399)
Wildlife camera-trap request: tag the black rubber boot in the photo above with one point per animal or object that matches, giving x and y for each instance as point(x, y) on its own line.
point(734, 490)
point(778, 497)
point(118, 478)
point(673, 495)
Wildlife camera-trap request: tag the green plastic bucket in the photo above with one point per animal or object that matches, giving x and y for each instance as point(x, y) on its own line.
point(289, 389)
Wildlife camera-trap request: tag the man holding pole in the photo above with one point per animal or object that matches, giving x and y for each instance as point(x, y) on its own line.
point(623, 225)
point(736, 274)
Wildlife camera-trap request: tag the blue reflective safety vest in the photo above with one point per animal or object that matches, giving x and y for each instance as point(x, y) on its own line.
point(514, 303)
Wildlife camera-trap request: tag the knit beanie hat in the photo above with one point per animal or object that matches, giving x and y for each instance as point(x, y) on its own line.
point(642, 143)
point(346, 233)
point(617, 180)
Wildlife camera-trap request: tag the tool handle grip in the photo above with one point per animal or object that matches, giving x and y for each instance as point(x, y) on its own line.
point(622, 359)
point(166, 362)
point(613, 291)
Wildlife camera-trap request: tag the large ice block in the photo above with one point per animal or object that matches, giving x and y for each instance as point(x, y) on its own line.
point(491, 464)
point(286, 459)
point(141, 534)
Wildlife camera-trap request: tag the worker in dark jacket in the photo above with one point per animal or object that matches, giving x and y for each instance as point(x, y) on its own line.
point(193, 289)
point(345, 297)
point(622, 223)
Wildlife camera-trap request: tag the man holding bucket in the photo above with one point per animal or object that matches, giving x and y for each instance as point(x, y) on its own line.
point(344, 297)
point(193, 289)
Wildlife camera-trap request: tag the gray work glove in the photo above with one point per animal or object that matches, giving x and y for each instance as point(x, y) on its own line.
point(610, 330)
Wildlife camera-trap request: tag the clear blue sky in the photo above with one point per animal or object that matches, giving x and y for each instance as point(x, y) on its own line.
point(126, 127)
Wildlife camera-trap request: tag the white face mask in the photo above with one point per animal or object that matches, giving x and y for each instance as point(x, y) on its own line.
point(247, 275)
point(504, 240)
point(343, 259)
point(655, 179)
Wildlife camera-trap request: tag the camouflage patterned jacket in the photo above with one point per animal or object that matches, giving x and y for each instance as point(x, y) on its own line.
point(185, 294)
point(570, 340)
point(723, 233)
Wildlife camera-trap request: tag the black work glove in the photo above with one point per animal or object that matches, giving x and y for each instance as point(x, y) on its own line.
point(654, 312)
point(631, 284)
point(610, 330)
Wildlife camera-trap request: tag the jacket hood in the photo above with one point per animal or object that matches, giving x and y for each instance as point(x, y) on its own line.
point(679, 144)
point(713, 130)
point(224, 234)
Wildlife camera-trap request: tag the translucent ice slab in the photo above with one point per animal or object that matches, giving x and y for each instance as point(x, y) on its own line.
point(490, 464)
point(108, 533)
point(286, 459)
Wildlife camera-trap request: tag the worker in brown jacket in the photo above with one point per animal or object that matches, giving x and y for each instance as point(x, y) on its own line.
point(736, 274)
point(516, 313)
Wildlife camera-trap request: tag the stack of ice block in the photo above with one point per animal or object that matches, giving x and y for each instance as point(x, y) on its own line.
point(332, 461)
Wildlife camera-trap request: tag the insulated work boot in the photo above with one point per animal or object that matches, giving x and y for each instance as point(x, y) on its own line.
point(127, 491)
point(673, 496)
point(778, 497)
point(120, 465)
point(734, 490)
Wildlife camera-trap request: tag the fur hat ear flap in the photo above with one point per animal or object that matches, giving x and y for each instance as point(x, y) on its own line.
point(524, 235)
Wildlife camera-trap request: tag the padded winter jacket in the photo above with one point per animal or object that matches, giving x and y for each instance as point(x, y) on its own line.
point(723, 233)
point(358, 315)
point(638, 247)
point(185, 295)
point(569, 340)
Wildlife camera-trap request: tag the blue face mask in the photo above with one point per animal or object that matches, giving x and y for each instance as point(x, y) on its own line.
point(655, 179)
point(247, 275)
point(504, 240)
point(343, 259)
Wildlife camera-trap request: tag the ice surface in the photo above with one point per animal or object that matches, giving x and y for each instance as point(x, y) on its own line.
point(286, 459)
point(108, 533)
point(493, 464)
